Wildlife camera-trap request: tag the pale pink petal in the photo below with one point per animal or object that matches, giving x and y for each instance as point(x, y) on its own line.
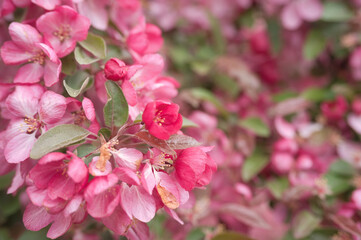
point(129, 93)
point(77, 170)
point(138, 231)
point(95, 11)
point(52, 107)
point(284, 128)
point(12, 54)
point(137, 203)
point(21, 103)
point(61, 186)
point(173, 214)
point(355, 122)
point(37, 196)
point(95, 171)
point(51, 72)
point(89, 109)
point(59, 226)
point(29, 73)
point(73, 205)
point(54, 206)
point(18, 148)
point(309, 10)
point(52, 157)
point(290, 18)
point(147, 178)
point(128, 157)
point(47, 4)
point(17, 182)
point(24, 35)
point(127, 175)
point(118, 222)
point(36, 218)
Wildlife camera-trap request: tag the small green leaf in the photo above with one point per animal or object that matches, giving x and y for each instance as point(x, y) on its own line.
point(85, 149)
point(195, 234)
point(95, 44)
point(253, 165)
point(255, 125)
point(336, 11)
point(56, 138)
point(274, 34)
point(68, 64)
point(206, 95)
point(282, 96)
point(38, 235)
point(152, 141)
point(218, 37)
point(106, 132)
point(188, 123)
point(82, 57)
point(277, 186)
point(314, 45)
point(342, 169)
point(231, 236)
point(116, 108)
point(76, 83)
point(304, 224)
point(338, 184)
point(178, 141)
point(317, 94)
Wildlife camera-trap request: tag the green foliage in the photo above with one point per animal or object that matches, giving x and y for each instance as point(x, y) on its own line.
point(304, 224)
point(253, 165)
point(336, 11)
point(255, 125)
point(56, 138)
point(314, 45)
point(76, 84)
point(116, 109)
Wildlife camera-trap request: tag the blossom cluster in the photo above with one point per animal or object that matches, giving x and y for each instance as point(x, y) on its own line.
point(87, 119)
point(278, 97)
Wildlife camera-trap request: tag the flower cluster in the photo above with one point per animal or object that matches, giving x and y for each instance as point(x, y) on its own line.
point(87, 119)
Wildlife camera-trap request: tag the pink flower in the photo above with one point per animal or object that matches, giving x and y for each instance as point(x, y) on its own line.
point(27, 47)
point(145, 38)
point(96, 11)
point(162, 119)
point(355, 63)
point(300, 10)
point(47, 4)
point(6, 7)
point(63, 175)
point(334, 110)
point(32, 113)
point(62, 28)
point(116, 70)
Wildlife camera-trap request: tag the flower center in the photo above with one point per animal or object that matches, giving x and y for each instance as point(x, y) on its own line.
point(63, 33)
point(33, 125)
point(79, 117)
point(38, 58)
point(159, 119)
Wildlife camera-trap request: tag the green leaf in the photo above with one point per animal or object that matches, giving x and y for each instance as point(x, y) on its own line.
point(314, 45)
point(85, 149)
point(336, 11)
point(9, 205)
point(304, 224)
point(4, 234)
point(317, 94)
point(116, 108)
point(195, 234)
point(253, 165)
point(68, 64)
point(152, 141)
point(188, 123)
point(6, 180)
point(338, 184)
point(106, 132)
point(178, 141)
point(218, 38)
point(342, 169)
point(229, 235)
point(76, 83)
point(56, 138)
point(282, 96)
point(39, 235)
point(95, 44)
point(228, 84)
point(274, 34)
point(277, 186)
point(206, 95)
point(255, 125)
point(82, 57)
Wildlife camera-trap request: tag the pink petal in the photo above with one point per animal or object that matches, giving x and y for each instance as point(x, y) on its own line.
point(36, 218)
point(95, 171)
point(147, 178)
point(23, 102)
point(46, 4)
point(59, 226)
point(173, 214)
point(137, 203)
point(13, 54)
point(128, 157)
point(52, 157)
point(77, 170)
point(96, 12)
point(118, 222)
point(73, 205)
point(51, 72)
point(29, 73)
point(284, 128)
point(290, 18)
point(17, 182)
point(18, 148)
point(129, 93)
point(54, 206)
point(24, 35)
point(61, 186)
point(309, 10)
point(355, 122)
point(127, 175)
point(88, 109)
point(52, 107)
point(36, 195)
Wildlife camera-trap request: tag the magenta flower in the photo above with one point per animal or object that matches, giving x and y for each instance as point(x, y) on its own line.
point(62, 28)
point(162, 119)
point(27, 46)
point(32, 112)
